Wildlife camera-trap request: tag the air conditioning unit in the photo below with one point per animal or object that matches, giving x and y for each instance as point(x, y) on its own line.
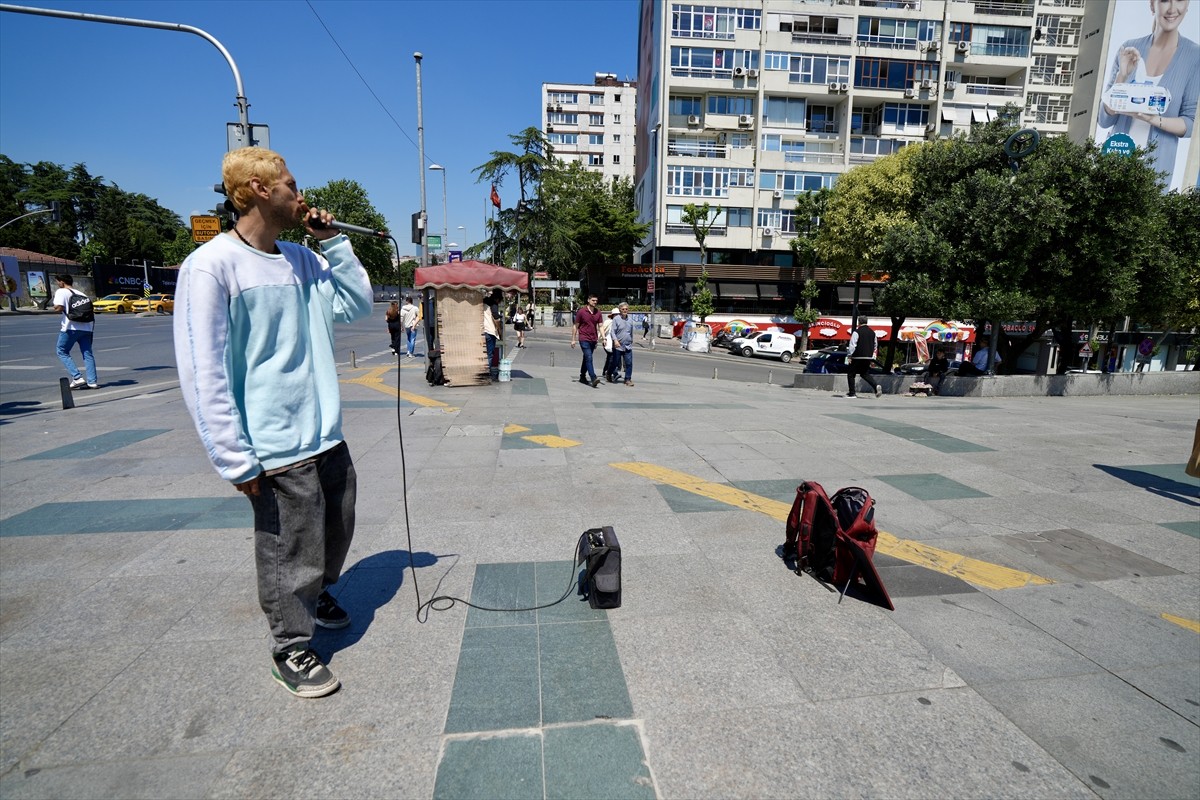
point(934, 45)
point(721, 137)
point(549, 128)
point(739, 72)
point(951, 86)
point(550, 107)
point(964, 47)
point(693, 120)
point(766, 231)
point(845, 87)
point(833, 86)
point(910, 93)
point(926, 84)
point(778, 194)
point(558, 107)
point(751, 73)
point(745, 120)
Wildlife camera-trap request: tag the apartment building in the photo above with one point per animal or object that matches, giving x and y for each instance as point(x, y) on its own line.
point(747, 103)
point(593, 123)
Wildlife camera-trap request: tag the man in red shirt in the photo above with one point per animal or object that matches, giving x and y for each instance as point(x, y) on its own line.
point(587, 325)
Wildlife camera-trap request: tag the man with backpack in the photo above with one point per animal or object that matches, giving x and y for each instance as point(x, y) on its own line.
point(78, 322)
point(864, 348)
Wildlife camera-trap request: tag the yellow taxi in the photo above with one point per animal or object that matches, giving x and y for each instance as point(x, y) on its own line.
point(120, 303)
point(156, 302)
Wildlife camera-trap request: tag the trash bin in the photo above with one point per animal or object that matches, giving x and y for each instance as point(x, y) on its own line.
point(505, 370)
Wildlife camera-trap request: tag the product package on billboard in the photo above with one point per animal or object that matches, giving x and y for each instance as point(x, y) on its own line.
point(1137, 97)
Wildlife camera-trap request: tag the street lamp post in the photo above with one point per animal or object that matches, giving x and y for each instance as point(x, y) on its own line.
point(463, 236)
point(445, 227)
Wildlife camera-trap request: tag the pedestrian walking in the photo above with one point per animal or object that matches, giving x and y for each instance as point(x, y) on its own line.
point(864, 349)
point(73, 333)
point(605, 339)
point(622, 343)
point(585, 331)
point(257, 369)
point(520, 325)
point(409, 315)
point(395, 328)
point(645, 325)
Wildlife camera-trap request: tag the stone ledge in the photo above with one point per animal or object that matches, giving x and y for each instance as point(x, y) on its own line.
point(1121, 383)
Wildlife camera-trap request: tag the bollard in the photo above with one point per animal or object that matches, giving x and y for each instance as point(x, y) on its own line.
point(552, 358)
point(353, 360)
point(770, 375)
point(653, 367)
point(714, 373)
point(64, 387)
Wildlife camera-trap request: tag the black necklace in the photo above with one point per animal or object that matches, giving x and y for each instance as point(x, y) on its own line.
point(243, 238)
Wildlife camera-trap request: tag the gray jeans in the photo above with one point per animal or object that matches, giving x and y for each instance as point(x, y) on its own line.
point(303, 525)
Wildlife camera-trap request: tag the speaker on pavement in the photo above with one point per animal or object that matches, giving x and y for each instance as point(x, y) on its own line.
point(600, 554)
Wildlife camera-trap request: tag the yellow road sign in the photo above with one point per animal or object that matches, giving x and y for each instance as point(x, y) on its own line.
point(205, 228)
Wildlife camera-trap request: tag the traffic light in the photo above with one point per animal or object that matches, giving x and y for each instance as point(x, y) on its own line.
point(55, 211)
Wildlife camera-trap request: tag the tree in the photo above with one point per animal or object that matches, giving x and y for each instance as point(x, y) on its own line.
point(527, 224)
point(347, 200)
point(810, 208)
point(179, 249)
point(701, 218)
point(598, 217)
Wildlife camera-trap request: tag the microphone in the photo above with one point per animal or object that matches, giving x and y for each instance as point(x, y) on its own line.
point(317, 224)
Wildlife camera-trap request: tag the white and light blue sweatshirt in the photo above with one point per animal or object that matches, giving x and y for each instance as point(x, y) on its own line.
point(254, 347)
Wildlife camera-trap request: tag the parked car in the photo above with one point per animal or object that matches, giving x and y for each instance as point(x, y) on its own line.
point(769, 344)
point(119, 303)
point(156, 302)
point(833, 359)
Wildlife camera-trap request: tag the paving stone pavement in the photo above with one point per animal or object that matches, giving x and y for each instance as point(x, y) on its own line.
point(134, 661)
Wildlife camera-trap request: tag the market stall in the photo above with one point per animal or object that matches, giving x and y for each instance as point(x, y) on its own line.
point(454, 314)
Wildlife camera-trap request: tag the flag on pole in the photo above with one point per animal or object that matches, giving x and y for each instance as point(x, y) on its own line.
point(495, 196)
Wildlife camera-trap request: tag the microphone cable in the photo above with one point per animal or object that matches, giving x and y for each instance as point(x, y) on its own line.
point(448, 601)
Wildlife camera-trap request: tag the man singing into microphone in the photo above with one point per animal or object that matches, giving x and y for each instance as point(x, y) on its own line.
point(254, 344)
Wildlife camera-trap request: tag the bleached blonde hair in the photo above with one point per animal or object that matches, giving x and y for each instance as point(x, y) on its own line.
point(243, 165)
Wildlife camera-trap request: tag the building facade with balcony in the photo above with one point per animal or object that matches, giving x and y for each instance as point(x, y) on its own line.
point(593, 123)
point(748, 103)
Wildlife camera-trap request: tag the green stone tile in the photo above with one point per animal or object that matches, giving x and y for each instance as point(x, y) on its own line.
point(517, 440)
point(581, 673)
point(503, 586)
point(1171, 472)
point(931, 486)
point(98, 445)
point(487, 769)
point(915, 434)
point(110, 516)
point(596, 761)
point(552, 579)
point(531, 386)
point(496, 685)
point(682, 502)
point(1190, 527)
point(783, 491)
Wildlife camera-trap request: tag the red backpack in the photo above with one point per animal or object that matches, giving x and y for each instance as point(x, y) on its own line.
point(833, 539)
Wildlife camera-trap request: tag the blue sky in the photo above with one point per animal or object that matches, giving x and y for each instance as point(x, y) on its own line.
point(147, 109)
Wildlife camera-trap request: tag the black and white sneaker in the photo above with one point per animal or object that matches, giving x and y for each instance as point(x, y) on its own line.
point(301, 672)
point(79, 383)
point(329, 613)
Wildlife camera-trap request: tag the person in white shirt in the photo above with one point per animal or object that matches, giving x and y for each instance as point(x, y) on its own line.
point(72, 333)
point(408, 318)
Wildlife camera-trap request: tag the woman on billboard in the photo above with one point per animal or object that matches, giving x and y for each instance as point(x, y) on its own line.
point(1152, 89)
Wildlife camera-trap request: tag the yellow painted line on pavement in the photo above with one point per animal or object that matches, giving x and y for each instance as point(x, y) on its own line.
point(373, 379)
point(513, 427)
point(1191, 624)
point(550, 440)
point(972, 570)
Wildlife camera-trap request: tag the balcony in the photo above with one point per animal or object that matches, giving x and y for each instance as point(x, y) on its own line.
point(1001, 8)
point(697, 149)
point(1051, 77)
point(991, 90)
point(803, 37)
point(905, 5)
point(804, 157)
point(686, 230)
point(996, 50)
point(886, 42)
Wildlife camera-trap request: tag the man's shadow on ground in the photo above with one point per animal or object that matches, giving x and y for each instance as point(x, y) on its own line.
point(365, 588)
point(1155, 484)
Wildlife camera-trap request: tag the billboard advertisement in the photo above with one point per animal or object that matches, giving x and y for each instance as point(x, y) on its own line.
point(1151, 84)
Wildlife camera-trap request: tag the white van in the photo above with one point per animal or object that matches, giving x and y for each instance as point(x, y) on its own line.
point(771, 344)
